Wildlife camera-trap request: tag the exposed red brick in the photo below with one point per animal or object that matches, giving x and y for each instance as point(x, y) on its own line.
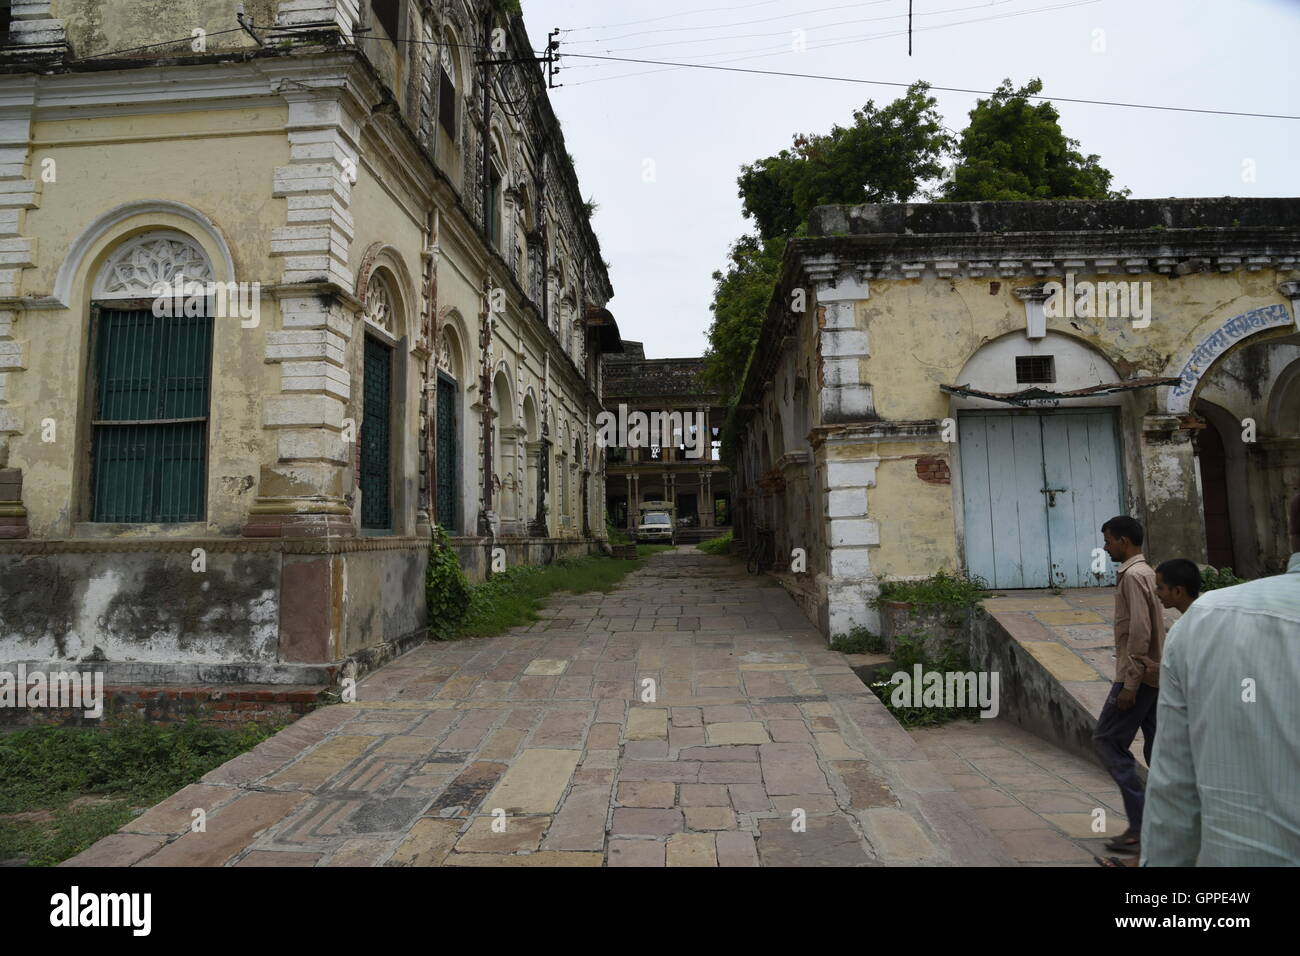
point(933, 471)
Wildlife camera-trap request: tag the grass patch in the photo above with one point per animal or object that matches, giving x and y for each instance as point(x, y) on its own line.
point(645, 550)
point(720, 545)
point(64, 788)
point(908, 652)
point(513, 597)
point(945, 589)
point(858, 641)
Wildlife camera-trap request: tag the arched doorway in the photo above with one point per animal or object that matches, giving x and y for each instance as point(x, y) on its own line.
point(503, 451)
point(531, 494)
point(450, 429)
point(1038, 477)
point(1213, 463)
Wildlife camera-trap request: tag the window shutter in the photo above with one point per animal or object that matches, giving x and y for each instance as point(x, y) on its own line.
point(376, 440)
point(150, 416)
point(446, 104)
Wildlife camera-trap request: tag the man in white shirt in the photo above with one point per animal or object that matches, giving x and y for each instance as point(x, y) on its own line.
point(1224, 785)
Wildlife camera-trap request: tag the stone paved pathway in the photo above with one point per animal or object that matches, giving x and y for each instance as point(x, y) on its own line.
point(1040, 801)
point(536, 749)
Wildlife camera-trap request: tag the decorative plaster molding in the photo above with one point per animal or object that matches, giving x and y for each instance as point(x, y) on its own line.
point(1035, 299)
point(81, 246)
point(1215, 345)
point(829, 268)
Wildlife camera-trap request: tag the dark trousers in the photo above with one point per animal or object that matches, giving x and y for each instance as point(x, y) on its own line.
point(1113, 739)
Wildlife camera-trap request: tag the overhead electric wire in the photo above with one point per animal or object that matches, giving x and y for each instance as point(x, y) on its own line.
point(942, 89)
point(150, 46)
point(674, 16)
point(678, 65)
point(816, 26)
point(675, 65)
point(757, 53)
point(742, 23)
point(785, 48)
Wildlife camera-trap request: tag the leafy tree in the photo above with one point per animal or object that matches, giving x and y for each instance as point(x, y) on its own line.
point(1012, 150)
point(740, 300)
point(1015, 150)
point(884, 156)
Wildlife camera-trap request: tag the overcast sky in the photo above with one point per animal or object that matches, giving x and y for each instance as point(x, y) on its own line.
point(664, 238)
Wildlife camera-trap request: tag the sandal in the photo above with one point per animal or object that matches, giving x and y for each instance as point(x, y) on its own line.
point(1111, 861)
point(1127, 842)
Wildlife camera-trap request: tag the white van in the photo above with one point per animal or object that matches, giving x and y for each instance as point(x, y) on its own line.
point(655, 527)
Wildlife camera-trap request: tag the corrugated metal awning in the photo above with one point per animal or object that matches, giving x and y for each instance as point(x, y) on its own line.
point(1037, 395)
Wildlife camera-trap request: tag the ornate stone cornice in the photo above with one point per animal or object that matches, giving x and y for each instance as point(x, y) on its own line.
point(892, 258)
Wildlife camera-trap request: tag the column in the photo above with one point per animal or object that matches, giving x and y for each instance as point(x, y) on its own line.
point(20, 190)
point(631, 501)
point(1175, 514)
point(536, 515)
point(706, 499)
point(302, 493)
point(850, 584)
point(33, 30)
point(844, 396)
point(320, 14)
point(634, 506)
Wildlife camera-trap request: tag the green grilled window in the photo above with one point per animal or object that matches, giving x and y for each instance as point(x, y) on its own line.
point(376, 437)
point(448, 455)
point(150, 416)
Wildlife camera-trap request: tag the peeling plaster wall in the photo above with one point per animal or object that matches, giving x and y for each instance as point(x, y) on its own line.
point(96, 27)
point(381, 586)
point(262, 150)
point(139, 607)
point(103, 164)
point(908, 362)
point(889, 327)
point(910, 359)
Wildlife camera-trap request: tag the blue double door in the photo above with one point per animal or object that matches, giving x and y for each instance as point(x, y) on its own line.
point(1036, 489)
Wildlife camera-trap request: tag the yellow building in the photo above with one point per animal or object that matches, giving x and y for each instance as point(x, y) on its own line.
point(275, 296)
point(982, 385)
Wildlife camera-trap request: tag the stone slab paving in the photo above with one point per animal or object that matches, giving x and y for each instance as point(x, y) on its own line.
point(1071, 634)
point(692, 717)
point(1043, 803)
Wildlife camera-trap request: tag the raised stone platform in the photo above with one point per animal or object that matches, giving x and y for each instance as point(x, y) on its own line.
point(1059, 652)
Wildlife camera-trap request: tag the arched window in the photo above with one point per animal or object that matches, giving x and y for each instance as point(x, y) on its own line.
point(576, 466)
point(152, 310)
point(378, 416)
point(503, 445)
point(494, 216)
point(446, 82)
point(449, 430)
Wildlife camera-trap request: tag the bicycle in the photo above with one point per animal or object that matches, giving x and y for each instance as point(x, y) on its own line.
point(759, 561)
